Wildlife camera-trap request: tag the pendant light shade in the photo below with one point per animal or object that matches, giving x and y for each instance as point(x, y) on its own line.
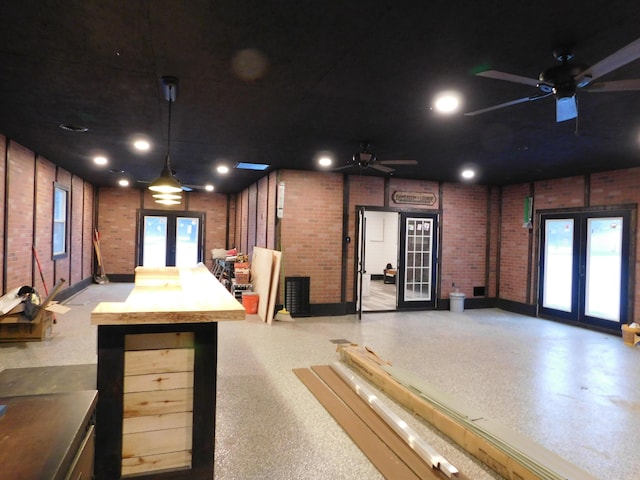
point(167, 184)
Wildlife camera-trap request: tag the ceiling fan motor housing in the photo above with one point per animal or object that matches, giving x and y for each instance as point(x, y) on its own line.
point(560, 79)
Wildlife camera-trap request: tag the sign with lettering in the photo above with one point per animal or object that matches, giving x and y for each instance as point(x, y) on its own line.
point(415, 198)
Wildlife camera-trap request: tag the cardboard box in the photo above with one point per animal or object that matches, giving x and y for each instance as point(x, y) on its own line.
point(16, 328)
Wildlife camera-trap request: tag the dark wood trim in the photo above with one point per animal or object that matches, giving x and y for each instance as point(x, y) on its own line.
point(5, 226)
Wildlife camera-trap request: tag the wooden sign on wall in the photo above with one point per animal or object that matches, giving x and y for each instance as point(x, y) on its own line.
point(415, 198)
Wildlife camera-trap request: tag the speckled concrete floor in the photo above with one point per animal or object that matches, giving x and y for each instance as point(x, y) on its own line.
point(574, 391)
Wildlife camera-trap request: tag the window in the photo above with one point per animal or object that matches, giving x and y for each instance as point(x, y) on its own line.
point(60, 201)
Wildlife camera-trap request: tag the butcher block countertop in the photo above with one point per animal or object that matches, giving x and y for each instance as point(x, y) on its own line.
point(171, 295)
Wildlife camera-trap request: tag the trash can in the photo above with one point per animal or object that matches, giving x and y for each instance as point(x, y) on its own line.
point(456, 302)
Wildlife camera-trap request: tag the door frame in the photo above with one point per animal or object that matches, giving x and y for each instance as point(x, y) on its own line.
point(435, 213)
point(172, 216)
point(580, 215)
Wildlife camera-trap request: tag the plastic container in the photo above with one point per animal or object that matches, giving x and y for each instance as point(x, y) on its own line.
point(250, 302)
point(456, 302)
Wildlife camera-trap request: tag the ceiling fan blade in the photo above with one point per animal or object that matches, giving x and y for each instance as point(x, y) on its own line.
point(343, 167)
point(397, 162)
point(509, 77)
point(615, 86)
point(382, 168)
point(617, 59)
point(566, 108)
point(508, 104)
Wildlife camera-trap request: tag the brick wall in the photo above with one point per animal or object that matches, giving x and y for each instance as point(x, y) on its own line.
point(117, 219)
point(464, 238)
point(311, 231)
point(29, 211)
point(514, 245)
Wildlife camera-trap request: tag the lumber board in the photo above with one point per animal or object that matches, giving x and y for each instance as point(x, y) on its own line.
point(513, 456)
point(156, 463)
point(141, 362)
point(157, 381)
point(171, 295)
point(157, 341)
point(151, 423)
point(273, 291)
point(157, 403)
point(381, 428)
point(382, 457)
point(261, 268)
point(152, 443)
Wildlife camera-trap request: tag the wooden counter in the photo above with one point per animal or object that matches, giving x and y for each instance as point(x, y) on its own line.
point(157, 358)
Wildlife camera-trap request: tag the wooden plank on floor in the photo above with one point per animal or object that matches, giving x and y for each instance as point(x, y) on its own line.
point(381, 428)
point(382, 457)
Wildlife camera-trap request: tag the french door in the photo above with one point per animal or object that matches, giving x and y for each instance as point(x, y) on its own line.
point(169, 238)
point(417, 260)
point(584, 265)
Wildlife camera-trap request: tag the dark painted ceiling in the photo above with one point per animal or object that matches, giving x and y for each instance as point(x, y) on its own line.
point(338, 73)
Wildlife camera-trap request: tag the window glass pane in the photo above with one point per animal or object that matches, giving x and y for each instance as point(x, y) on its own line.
point(419, 241)
point(154, 242)
point(59, 221)
point(187, 241)
point(604, 262)
point(558, 264)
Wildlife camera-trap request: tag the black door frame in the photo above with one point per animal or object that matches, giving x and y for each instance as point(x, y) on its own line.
point(577, 314)
point(172, 216)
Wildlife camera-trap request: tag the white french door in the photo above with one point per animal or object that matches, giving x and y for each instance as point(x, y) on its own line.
point(169, 239)
point(584, 267)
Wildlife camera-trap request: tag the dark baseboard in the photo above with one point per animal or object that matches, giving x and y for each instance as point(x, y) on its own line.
point(73, 289)
point(517, 307)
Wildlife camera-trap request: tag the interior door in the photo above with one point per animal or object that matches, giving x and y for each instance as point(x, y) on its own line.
point(360, 261)
point(416, 275)
point(170, 239)
point(584, 267)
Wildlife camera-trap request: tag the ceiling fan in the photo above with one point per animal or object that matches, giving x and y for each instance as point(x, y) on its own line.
point(563, 80)
point(366, 159)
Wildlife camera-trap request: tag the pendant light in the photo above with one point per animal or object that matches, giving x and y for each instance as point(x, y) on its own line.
point(166, 188)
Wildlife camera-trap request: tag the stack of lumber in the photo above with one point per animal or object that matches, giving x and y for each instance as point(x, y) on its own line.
point(509, 453)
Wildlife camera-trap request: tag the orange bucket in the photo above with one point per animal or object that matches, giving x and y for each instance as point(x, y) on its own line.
point(250, 302)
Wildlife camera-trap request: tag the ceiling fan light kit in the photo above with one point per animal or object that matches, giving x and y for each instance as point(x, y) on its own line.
point(167, 183)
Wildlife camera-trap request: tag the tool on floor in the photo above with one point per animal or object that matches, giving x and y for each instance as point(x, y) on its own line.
point(44, 282)
point(100, 277)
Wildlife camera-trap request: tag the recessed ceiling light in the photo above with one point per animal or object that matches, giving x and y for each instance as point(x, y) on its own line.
point(141, 145)
point(447, 102)
point(222, 169)
point(73, 128)
point(208, 188)
point(100, 160)
point(123, 182)
point(468, 174)
point(325, 161)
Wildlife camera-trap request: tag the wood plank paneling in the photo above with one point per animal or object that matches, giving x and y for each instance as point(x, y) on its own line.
point(158, 381)
point(142, 362)
point(156, 422)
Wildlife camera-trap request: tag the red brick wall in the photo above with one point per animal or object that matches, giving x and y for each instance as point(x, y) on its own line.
point(45, 177)
point(117, 218)
point(20, 208)
point(363, 191)
point(29, 210)
point(514, 244)
point(311, 231)
point(464, 237)
point(563, 192)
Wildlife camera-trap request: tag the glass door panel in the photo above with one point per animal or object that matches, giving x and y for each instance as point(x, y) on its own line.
point(187, 235)
point(154, 244)
point(584, 267)
point(417, 272)
point(603, 268)
point(558, 264)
